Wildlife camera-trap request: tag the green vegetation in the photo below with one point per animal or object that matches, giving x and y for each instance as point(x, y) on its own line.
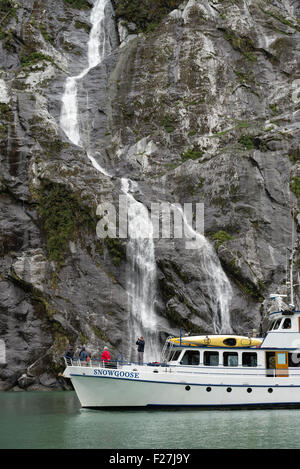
point(99, 333)
point(116, 250)
point(184, 323)
point(295, 186)
point(79, 4)
point(247, 286)
point(241, 43)
point(245, 78)
point(191, 154)
point(34, 58)
point(221, 237)
point(247, 141)
point(63, 217)
point(45, 33)
point(7, 11)
point(81, 25)
point(294, 155)
point(273, 108)
point(168, 122)
point(277, 16)
point(146, 14)
point(4, 109)
point(5, 6)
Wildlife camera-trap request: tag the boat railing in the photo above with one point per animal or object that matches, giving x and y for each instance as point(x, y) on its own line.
point(94, 362)
point(183, 369)
point(98, 363)
point(167, 349)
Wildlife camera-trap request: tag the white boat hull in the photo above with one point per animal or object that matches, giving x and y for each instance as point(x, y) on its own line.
point(97, 389)
point(201, 376)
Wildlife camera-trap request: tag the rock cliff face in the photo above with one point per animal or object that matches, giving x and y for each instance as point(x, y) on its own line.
point(201, 106)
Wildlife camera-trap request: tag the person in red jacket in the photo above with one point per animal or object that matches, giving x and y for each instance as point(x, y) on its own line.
point(105, 357)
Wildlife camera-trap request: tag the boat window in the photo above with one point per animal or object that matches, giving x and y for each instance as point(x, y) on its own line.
point(287, 323)
point(175, 356)
point(277, 324)
point(294, 359)
point(191, 357)
point(272, 325)
point(230, 359)
point(249, 359)
point(281, 358)
point(211, 358)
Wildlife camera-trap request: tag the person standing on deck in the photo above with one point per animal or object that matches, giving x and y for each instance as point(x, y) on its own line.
point(105, 357)
point(141, 346)
point(83, 354)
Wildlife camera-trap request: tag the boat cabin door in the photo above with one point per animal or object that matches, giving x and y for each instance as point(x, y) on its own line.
point(277, 364)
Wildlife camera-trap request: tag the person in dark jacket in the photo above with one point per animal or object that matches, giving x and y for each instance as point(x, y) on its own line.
point(83, 355)
point(141, 346)
point(69, 355)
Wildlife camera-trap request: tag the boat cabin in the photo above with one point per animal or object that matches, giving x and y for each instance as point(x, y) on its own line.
point(278, 352)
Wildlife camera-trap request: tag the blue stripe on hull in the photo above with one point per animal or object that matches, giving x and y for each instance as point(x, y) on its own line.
point(194, 384)
point(249, 406)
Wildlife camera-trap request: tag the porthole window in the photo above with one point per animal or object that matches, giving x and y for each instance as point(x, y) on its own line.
point(229, 389)
point(208, 389)
point(187, 388)
point(270, 390)
point(249, 390)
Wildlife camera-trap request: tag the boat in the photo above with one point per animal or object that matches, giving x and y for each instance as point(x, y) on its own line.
point(218, 340)
point(212, 375)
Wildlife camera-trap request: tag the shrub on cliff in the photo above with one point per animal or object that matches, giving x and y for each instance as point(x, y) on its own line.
point(146, 14)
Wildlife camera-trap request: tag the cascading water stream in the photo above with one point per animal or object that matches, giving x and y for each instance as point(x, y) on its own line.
point(141, 278)
point(99, 47)
point(217, 284)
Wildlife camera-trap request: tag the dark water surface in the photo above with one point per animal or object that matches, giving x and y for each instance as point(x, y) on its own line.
point(54, 420)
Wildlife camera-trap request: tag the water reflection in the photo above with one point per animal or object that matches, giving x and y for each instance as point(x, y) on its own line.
point(55, 420)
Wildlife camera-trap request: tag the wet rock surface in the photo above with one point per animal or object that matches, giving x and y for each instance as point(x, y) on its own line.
point(203, 109)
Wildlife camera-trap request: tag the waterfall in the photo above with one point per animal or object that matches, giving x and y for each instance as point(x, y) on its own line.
point(217, 286)
point(99, 46)
point(141, 278)
point(140, 247)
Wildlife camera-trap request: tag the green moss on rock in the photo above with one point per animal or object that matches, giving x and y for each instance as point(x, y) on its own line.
point(295, 186)
point(116, 250)
point(192, 154)
point(146, 14)
point(8, 10)
point(221, 237)
point(182, 322)
point(247, 141)
point(79, 4)
point(34, 58)
point(242, 44)
point(63, 217)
